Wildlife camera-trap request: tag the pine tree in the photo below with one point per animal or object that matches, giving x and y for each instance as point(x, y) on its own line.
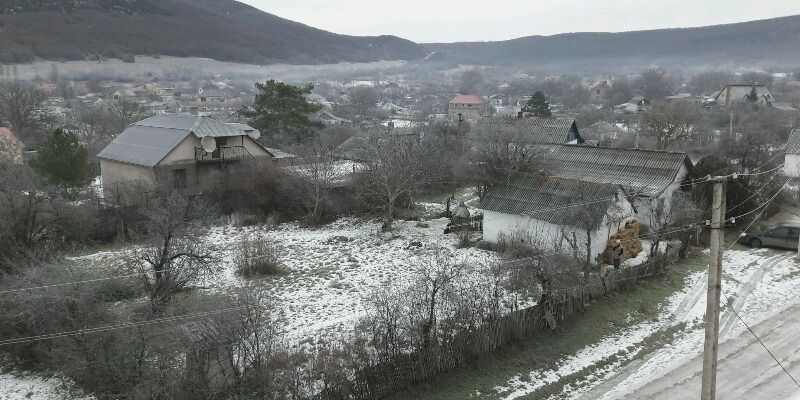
point(283, 109)
point(538, 106)
point(62, 159)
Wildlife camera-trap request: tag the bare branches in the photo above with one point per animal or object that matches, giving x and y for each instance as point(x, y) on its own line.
point(173, 255)
point(670, 123)
point(395, 169)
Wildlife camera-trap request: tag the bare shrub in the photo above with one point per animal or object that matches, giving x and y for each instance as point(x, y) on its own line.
point(515, 244)
point(257, 257)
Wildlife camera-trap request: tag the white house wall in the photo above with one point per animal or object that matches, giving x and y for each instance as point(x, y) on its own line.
point(548, 236)
point(183, 152)
point(791, 167)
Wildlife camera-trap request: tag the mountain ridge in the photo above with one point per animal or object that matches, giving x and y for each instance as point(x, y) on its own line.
point(228, 30)
point(225, 30)
point(728, 44)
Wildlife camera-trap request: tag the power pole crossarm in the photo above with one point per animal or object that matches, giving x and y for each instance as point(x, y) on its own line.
point(709, 388)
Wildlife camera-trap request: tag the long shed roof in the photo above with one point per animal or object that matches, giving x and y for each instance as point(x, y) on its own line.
point(537, 196)
point(645, 172)
point(528, 130)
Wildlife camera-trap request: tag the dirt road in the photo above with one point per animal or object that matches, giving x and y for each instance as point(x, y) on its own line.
point(746, 371)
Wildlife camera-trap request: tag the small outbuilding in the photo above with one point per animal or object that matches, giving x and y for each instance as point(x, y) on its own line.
point(525, 209)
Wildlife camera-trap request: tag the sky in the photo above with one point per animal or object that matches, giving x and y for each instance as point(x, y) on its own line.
point(478, 20)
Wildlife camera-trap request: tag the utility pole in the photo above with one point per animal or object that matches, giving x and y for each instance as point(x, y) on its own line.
point(730, 130)
point(709, 388)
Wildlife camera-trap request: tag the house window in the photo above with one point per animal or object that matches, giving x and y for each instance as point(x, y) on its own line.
point(179, 178)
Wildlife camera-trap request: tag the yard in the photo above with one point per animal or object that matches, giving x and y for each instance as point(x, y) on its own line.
point(329, 271)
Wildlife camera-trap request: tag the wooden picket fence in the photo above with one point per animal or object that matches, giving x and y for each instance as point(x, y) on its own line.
point(384, 379)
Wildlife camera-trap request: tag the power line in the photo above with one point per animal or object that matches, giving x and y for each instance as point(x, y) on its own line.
point(749, 329)
point(671, 230)
point(107, 328)
point(733, 309)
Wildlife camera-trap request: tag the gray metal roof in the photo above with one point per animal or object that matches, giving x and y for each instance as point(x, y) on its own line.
point(793, 145)
point(148, 141)
point(537, 195)
point(143, 145)
point(242, 127)
point(200, 126)
point(528, 130)
point(646, 172)
point(739, 92)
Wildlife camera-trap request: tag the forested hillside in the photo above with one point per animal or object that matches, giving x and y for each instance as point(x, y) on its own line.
point(220, 29)
point(766, 43)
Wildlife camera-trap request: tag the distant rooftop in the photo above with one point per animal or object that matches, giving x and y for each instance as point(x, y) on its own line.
point(466, 99)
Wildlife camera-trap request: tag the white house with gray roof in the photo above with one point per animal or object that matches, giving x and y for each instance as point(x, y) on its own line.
point(167, 152)
point(534, 209)
point(583, 192)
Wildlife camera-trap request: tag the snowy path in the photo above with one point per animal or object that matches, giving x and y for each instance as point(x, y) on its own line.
point(740, 298)
point(746, 371)
point(758, 294)
point(690, 300)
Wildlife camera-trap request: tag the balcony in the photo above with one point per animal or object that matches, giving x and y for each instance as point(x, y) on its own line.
point(225, 154)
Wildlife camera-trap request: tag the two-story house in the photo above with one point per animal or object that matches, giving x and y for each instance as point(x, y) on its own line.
point(180, 152)
point(466, 107)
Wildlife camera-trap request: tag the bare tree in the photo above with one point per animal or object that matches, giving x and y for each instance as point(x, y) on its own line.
point(363, 99)
point(654, 84)
point(27, 214)
point(124, 113)
point(497, 156)
point(670, 123)
point(22, 106)
point(435, 276)
point(665, 217)
point(96, 126)
point(395, 169)
point(320, 175)
point(621, 91)
point(173, 254)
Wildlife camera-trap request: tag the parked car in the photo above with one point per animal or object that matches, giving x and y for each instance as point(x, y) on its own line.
point(784, 235)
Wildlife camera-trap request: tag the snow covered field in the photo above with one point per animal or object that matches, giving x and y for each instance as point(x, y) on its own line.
point(20, 386)
point(330, 270)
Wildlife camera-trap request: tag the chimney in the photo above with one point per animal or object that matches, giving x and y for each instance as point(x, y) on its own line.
point(520, 114)
point(193, 110)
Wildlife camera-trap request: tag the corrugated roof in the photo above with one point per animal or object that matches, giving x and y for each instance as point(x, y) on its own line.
point(646, 172)
point(793, 145)
point(536, 196)
point(148, 141)
point(354, 148)
point(528, 130)
point(242, 127)
point(740, 92)
point(143, 145)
